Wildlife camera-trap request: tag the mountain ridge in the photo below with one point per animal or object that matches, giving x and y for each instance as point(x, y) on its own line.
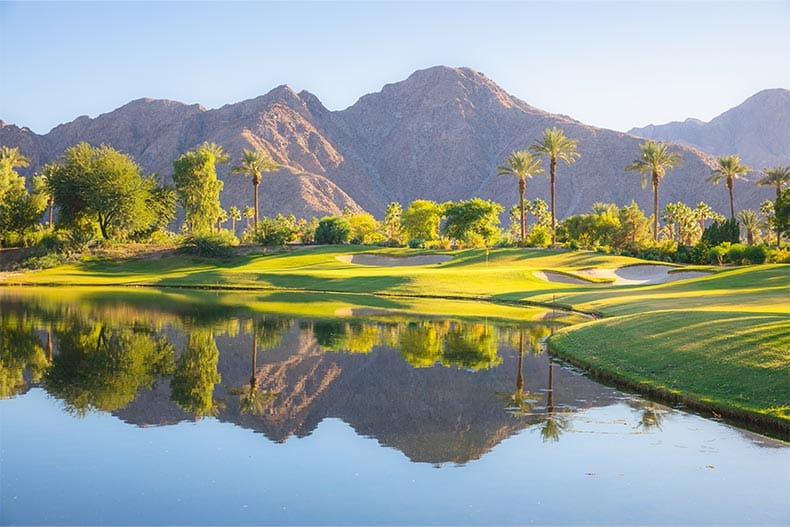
point(438, 134)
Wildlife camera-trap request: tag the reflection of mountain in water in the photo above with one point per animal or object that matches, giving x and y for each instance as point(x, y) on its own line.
point(436, 414)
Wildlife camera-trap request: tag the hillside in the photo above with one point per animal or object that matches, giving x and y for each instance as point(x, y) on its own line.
point(758, 130)
point(439, 135)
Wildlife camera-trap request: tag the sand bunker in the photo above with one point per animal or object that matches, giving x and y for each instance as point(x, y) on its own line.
point(631, 275)
point(381, 260)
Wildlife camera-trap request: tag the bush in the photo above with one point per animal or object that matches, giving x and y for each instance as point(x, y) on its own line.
point(717, 254)
point(778, 255)
point(210, 245)
point(755, 254)
point(698, 254)
point(46, 261)
point(539, 236)
point(275, 231)
point(417, 243)
point(332, 230)
point(735, 253)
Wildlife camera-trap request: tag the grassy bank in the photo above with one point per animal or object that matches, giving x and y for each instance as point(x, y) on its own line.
point(719, 342)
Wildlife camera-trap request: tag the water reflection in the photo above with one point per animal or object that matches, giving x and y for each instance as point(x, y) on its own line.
point(437, 389)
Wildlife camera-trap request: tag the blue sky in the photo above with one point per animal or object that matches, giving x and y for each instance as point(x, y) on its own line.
point(610, 64)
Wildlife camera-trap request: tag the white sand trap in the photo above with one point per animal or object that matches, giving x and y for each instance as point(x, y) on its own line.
point(631, 275)
point(561, 278)
point(381, 260)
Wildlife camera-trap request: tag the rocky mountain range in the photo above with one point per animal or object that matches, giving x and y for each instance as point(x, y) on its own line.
point(758, 130)
point(437, 135)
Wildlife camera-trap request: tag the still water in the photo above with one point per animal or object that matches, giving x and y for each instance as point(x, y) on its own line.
point(198, 409)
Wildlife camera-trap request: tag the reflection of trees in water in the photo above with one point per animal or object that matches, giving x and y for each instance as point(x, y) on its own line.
point(269, 333)
point(20, 350)
point(652, 414)
point(422, 343)
point(102, 367)
point(196, 374)
point(519, 402)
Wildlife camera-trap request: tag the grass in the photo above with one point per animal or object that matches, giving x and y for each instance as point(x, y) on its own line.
point(719, 342)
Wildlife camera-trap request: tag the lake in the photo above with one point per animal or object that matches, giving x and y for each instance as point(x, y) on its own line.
point(202, 408)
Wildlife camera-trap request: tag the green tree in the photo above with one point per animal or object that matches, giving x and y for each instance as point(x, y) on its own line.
point(421, 219)
point(102, 186)
point(473, 222)
point(235, 215)
point(775, 177)
point(634, 231)
point(750, 221)
point(364, 230)
point(42, 184)
point(332, 230)
point(683, 220)
point(656, 160)
point(703, 212)
point(254, 163)
point(20, 211)
point(523, 165)
point(197, 186)
point(556, 147)
point(767, 209)
point(11, 158)
point(782, 213)
point(729, 168)
point(392, 222)
point(249, 213)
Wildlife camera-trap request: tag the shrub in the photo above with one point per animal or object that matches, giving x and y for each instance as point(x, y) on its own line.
point(735, 253)
point(755, 254)
point(275, 231)
point(778, 255)
point(210, 245)
point(417, 243)
point(698, 254)
point(717, 254)
point(539, 236)
point(332, 230)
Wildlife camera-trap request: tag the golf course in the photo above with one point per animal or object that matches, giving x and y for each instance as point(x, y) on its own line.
point(713, 339)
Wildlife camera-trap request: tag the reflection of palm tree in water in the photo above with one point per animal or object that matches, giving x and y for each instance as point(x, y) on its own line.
point(553, 424)
point(520, 402)
point(652, 416)
point(251, 399)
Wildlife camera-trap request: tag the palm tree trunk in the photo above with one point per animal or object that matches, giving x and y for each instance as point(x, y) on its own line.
point(655, 209)
point(553, 217)
point(522, 187)
point(51, 209)
point(256, 204)
point(732, 200)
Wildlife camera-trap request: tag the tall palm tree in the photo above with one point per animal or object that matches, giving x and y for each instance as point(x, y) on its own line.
point(776, 177)
point(523, 165)
point(47, 171)
point(656, 160)
point(729, 168)
point(556, 146)
point(255, 163)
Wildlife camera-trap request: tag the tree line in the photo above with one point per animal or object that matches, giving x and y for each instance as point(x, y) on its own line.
point(100, 193)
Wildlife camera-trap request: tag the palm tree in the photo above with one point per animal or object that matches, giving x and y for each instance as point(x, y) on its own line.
point(776, 177)
point(255, 163)
point(13, 157)
point(728, 168)
point(523, 165)
point(656, 160)
point(703, 212)
point(249, 213)
point(557, 147)
point(47, 171)
point(214, 150)
point(750, 221)
point(235, 215)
